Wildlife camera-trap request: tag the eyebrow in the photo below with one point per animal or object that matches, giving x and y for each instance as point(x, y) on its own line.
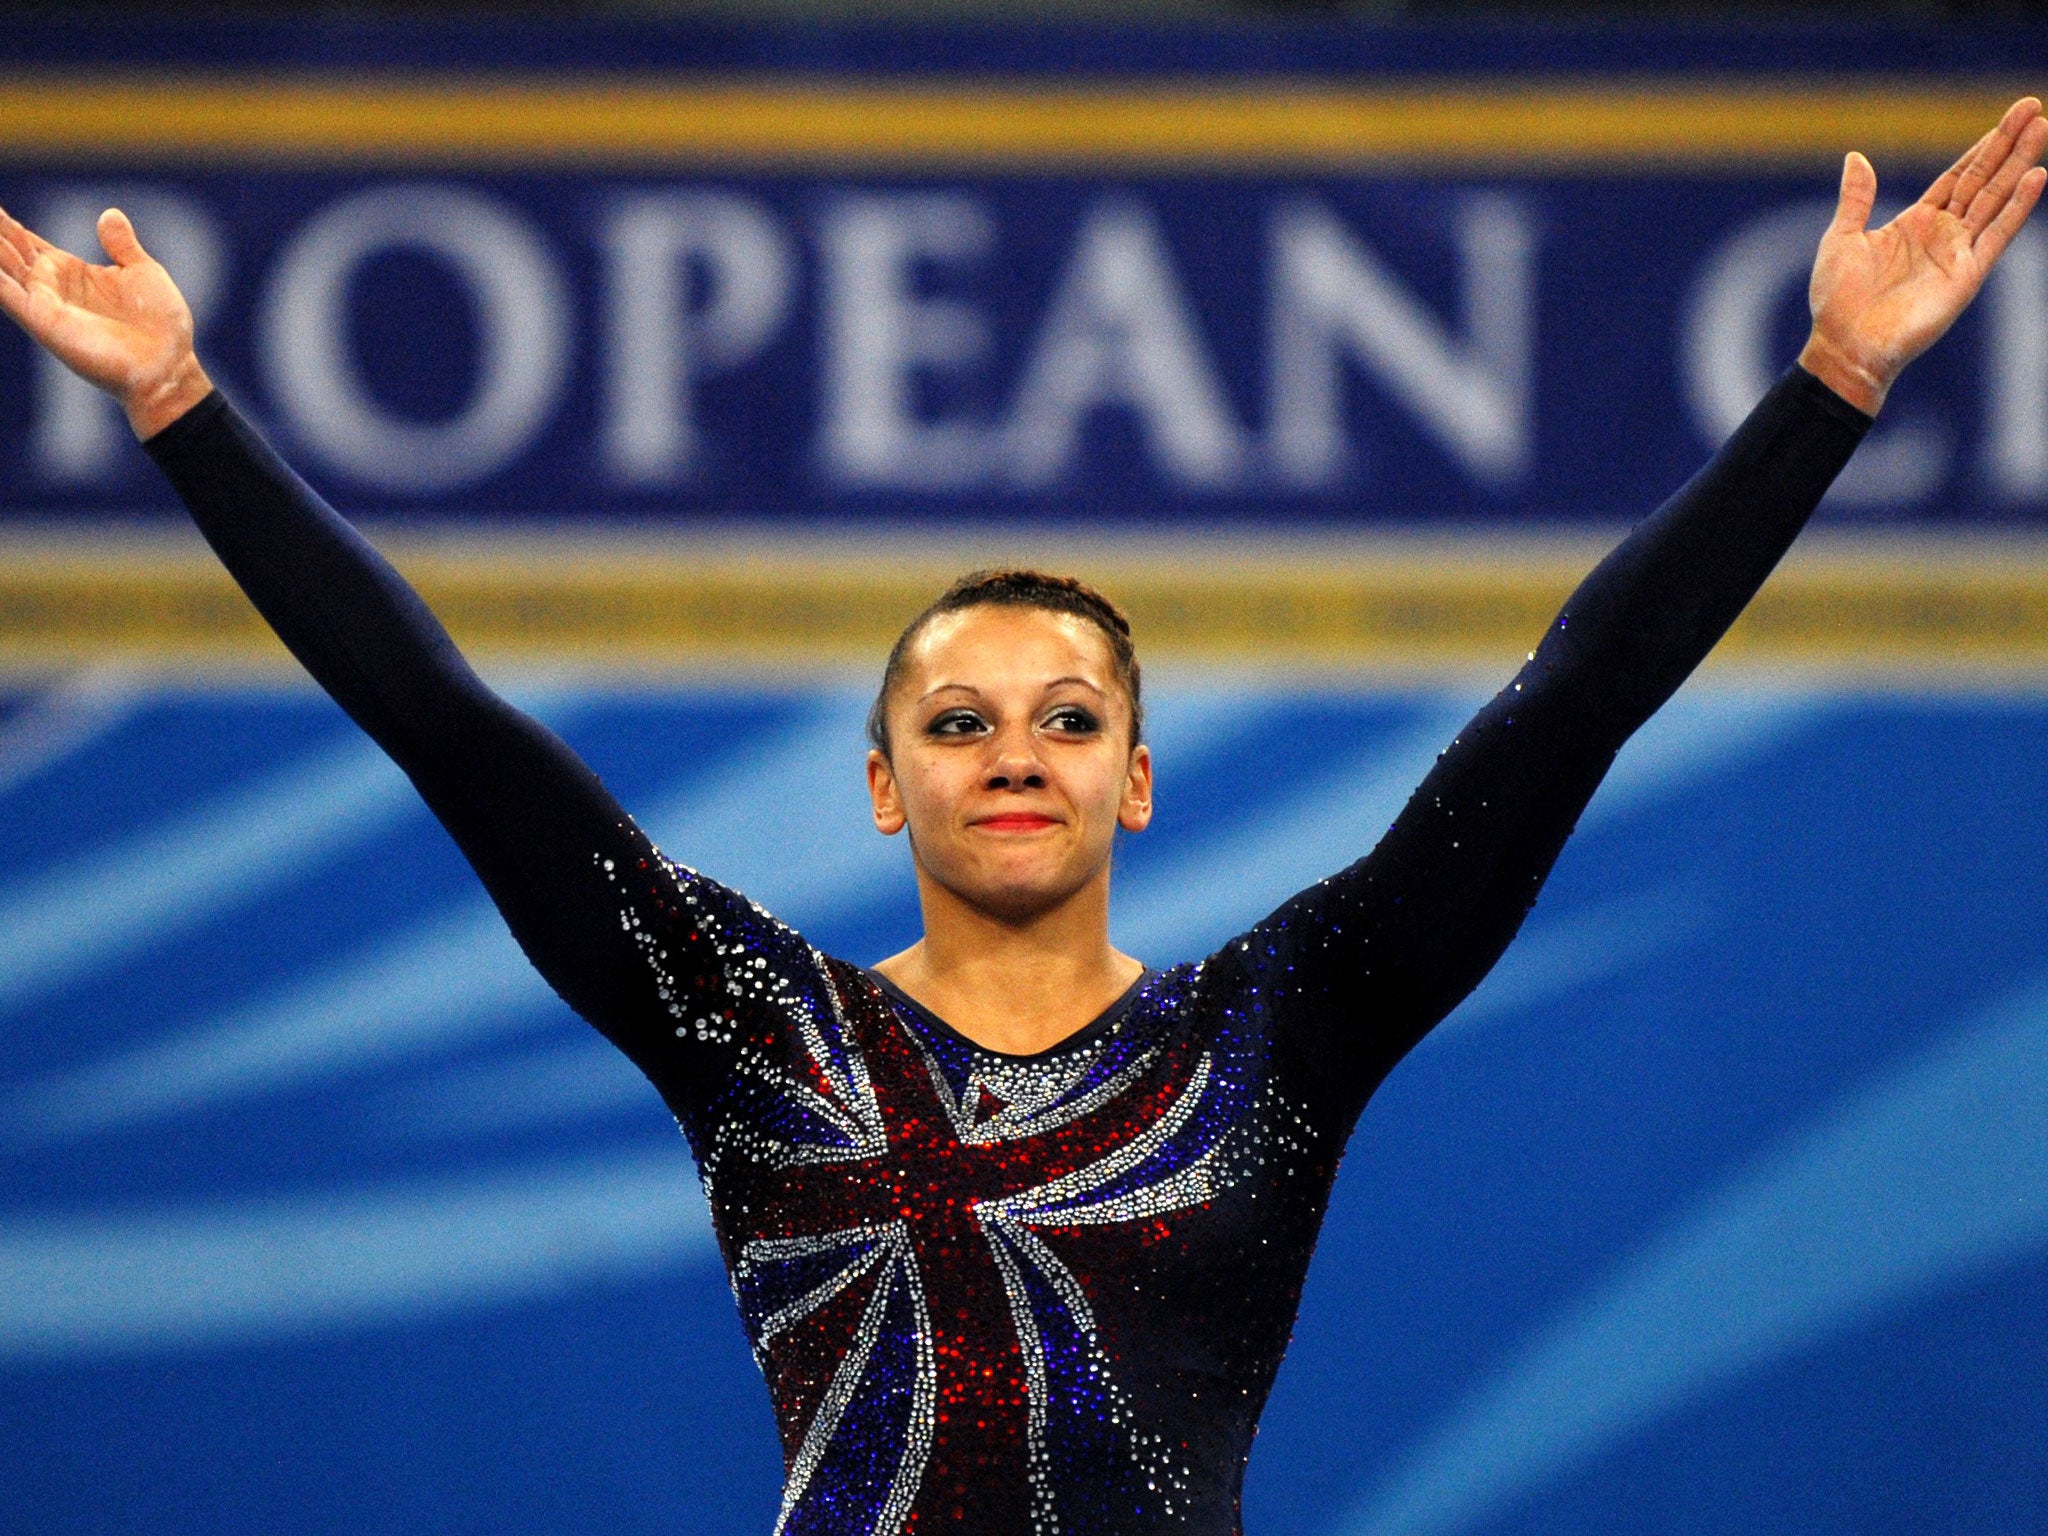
point(969, 688)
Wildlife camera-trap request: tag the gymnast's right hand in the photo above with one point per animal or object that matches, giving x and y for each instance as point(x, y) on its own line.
point(123, 327)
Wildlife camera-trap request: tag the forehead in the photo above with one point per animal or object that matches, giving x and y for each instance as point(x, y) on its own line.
point(992, 643)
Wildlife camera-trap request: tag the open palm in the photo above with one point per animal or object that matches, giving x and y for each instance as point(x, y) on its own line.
point(124, 327)
point(1881, 297)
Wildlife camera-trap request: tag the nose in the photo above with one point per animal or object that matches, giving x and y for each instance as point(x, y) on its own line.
point(1015, 763)
point(1016, 775)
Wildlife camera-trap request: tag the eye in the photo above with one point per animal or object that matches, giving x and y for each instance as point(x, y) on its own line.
point(956, 722)
point(1072, 720)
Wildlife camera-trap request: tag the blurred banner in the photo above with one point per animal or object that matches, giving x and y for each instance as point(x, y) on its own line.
point(1255, 278)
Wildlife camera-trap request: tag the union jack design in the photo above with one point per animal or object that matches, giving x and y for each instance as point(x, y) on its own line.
point(894, 1201)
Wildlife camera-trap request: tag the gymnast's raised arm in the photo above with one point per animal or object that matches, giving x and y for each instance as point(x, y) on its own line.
point(529, 815)
point(1376, 956)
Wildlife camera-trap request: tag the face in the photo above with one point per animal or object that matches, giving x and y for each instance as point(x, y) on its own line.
point(1010, 758)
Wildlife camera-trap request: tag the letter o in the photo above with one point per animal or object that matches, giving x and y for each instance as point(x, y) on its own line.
point(523, 331)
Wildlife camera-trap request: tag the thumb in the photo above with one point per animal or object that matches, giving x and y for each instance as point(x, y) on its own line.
point(118, 236)
point(1859, 193)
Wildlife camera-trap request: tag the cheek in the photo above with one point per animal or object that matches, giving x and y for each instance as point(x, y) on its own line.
point(930, 788)
point(1099, 784)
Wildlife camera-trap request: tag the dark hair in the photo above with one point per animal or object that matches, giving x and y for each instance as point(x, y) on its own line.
point(1017, 589)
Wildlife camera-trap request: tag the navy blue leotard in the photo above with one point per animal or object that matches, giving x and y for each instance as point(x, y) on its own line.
point(1006, 1294)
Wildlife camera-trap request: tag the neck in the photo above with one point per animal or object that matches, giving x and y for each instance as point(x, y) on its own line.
point(1015, 985)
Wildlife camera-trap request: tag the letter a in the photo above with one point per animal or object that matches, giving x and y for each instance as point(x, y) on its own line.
point(1120, 333)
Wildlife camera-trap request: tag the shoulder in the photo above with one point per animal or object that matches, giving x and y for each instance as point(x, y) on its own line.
point(714, 951)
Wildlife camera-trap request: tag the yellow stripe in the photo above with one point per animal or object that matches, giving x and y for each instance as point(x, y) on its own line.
point(1880, 610)
point(782, 124)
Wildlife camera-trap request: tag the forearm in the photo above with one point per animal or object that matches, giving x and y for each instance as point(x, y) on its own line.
point(1480, 837)
point(530, 816)
point(1381, 952)
point(1652, 610)
point(337, 604)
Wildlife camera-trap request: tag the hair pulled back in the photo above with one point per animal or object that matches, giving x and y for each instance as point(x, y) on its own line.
point(1017, 589)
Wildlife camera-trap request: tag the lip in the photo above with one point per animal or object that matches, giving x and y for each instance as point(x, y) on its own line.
point(1016, 821)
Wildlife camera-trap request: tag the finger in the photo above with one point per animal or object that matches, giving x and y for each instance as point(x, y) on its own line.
point(117, 236)
point(1943, 187)
point(1991, 153)
point(21, 237)
point(12, 262)
point(1859, 193)
point(2026, 150)
point(17, 236)
point(1998, 235)
point(14, 299)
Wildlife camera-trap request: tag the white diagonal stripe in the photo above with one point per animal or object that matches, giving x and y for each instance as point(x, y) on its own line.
point(63, 719)
point(145, 887)
point(790, 825)
point(1930, 1176)
point(227, 1273)
point(1557, 955)
point(452, 979)
point(1701, 732)
point(85, 915)
point(1187, 909)
point(461, 977)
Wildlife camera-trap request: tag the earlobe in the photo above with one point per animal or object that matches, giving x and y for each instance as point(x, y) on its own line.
point(888, 806)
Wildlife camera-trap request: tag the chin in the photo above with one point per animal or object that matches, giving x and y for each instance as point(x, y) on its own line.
point(1006, 898)
point(1013, 884)
point(1019, 896)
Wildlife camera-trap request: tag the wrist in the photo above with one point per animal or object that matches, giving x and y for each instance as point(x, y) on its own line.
point(151, 410)
point(1856, 382)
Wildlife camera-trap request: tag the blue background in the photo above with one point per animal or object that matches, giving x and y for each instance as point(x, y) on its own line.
point(1755, 1112)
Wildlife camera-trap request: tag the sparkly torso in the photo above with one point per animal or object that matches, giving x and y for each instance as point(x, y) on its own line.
point(991, 1293)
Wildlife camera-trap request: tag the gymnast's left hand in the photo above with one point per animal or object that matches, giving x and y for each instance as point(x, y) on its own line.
point(1881, 297)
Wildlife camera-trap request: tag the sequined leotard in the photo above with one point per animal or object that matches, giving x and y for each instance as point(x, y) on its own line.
point(991, 1293)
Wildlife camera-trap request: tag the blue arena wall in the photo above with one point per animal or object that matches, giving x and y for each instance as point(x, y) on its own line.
point(1719, 1206)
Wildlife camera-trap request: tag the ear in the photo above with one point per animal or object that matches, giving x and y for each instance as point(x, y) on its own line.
point(889, 817)
point(1135, 814)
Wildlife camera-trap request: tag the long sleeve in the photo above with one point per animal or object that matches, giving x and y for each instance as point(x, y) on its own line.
point(1364, 964)
point(557, 854)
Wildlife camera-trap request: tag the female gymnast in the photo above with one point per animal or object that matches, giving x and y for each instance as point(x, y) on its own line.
point(1017, 1227)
